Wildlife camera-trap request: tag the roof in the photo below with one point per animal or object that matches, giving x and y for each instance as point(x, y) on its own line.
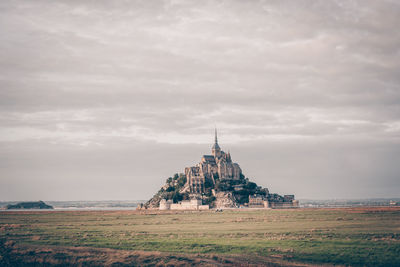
point(209, 158)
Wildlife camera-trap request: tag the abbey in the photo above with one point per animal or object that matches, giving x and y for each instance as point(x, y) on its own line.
point(219, 165)
point(215, 182)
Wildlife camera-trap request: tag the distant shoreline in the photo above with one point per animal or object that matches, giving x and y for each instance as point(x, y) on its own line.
point(152, 211)
point(73, 209)
point(110, 205)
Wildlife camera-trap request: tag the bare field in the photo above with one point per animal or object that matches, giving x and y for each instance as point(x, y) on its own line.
point(348, 236)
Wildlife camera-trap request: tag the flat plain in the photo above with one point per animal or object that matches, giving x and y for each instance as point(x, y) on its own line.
point(365, 236)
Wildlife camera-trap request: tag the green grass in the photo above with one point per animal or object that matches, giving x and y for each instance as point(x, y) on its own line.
point(357, 237)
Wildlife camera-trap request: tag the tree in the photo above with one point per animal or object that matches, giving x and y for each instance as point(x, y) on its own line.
point(182, 180)
point(170, 189)
point(177, 197)
point(208, 183)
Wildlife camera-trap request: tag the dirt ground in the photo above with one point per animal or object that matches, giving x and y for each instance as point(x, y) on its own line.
point(35, 255)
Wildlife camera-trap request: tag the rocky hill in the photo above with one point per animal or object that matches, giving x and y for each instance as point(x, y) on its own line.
point(29, 205)
point(216, 181)
point(226, 193)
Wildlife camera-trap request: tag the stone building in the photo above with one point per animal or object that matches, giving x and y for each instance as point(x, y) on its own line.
point(273, 201)
point(218, 165)
point(283, 205)
point(256, 201)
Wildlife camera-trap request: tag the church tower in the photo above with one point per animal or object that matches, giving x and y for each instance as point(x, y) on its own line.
point(216, 150)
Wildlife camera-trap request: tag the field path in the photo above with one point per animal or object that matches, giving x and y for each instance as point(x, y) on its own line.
point(36, 255)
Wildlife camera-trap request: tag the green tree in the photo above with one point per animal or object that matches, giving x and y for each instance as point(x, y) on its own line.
point(170, 189)
point(177, 197)
point(182, 180)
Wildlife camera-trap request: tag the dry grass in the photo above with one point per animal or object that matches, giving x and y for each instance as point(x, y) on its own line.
point(351, 236)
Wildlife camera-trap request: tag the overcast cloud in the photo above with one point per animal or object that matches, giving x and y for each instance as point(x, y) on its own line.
point(106, 99)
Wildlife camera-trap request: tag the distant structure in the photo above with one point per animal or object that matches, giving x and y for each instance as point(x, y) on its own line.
point(257, 201)
point(216, 182)
point(193, 204)
point(219, 165)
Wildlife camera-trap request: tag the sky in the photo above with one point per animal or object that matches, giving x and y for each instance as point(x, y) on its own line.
point(104, 100)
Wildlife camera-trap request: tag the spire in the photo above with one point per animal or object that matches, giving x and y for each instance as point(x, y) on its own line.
point(216, 149)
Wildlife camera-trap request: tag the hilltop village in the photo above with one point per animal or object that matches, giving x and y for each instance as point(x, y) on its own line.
point(215, 182)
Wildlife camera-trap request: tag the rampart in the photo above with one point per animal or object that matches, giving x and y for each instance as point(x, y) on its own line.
point(193, 204)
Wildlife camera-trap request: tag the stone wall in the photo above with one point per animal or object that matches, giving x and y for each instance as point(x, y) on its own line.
point(165, 204)
point(284, 205)
point(194, 204)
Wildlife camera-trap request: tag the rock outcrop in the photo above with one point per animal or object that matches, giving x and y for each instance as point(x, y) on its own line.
point(225, 200)
point(29, 205)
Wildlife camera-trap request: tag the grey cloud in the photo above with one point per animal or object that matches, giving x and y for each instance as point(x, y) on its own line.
point(97, 74)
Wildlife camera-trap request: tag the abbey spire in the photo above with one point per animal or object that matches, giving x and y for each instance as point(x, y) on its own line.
point(216, 150)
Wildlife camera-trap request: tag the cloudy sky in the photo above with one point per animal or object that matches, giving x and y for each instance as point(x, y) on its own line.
point(106, 99)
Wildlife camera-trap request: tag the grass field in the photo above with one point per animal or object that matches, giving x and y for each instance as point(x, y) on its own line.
point(351, 236)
